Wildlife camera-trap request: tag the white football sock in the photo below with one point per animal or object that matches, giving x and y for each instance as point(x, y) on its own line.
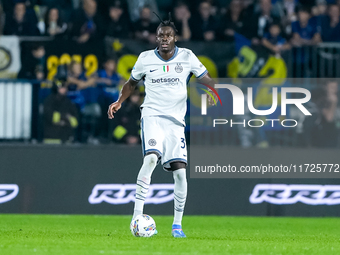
point(180, 194)
point(143, 182)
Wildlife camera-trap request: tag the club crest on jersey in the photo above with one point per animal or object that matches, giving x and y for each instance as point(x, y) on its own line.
point(166, 69)
point(178, 68)
point(152, 142)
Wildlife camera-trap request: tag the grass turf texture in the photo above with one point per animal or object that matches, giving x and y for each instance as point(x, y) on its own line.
point(80, 234)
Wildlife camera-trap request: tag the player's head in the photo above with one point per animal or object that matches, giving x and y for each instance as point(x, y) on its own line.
point(166, 35)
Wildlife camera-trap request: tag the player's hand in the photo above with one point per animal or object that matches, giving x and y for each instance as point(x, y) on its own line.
point(113, 108)
point(210, 100)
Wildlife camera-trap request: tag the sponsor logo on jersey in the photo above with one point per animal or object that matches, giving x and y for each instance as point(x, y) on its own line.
point(283, 194)
point(125, 193)
point(166, 69)
point(8, 192)
point(152, 142)
point(165, 80)
point(178, 68)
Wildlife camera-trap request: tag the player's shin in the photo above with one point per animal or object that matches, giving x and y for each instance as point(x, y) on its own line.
point(143, 182)
point(180, 194)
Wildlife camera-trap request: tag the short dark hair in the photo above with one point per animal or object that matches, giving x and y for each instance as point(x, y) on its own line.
point(304, 8)
point(36, 46)
point(167, 23)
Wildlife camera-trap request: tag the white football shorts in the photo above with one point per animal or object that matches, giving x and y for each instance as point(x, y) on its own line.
point(164, 135)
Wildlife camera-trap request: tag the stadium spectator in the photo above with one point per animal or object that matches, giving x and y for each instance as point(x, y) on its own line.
point(330, 25)
point(127, 121)
point(257, 25)
point(53, 23)
point(108, 79)
point(65, 7)
point(107, 86)
point(33, 64)
point(286, 9)
point(320, 8)
point(182, 16)
point(60, 4)
point(325, 133)
point(305, 29)
point(203, 26)
point(144, 28)
point(274, 41)
point(119, 26)
point(20, 22)
point(87, 24)
point(214, 7)
point(60, 116)
point(135, 7)
point(232, 22)
point(79, 86)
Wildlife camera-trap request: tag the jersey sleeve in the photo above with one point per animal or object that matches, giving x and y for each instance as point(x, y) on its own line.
point(138, 72)
point(197, 68)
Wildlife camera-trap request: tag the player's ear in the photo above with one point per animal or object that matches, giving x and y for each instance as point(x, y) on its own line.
point(175, 38)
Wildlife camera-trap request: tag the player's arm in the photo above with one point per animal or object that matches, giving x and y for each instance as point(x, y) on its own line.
point(126, 91)
point(206, 79)
point(201, 72)
point(137, 73)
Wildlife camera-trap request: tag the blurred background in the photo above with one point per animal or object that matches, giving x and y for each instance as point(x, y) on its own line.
point(62, 62)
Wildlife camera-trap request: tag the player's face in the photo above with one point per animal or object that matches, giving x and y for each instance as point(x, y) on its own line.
point(166, 39)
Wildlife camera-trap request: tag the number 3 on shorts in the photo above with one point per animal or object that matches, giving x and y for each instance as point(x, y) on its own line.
point(183, 141)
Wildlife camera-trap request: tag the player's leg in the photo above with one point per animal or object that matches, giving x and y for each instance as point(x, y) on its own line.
point(143, 182)
point(180, 196)
point(175, 159)
point(152, 147)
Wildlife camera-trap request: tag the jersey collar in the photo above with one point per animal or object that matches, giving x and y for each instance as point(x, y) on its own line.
point(173, 56)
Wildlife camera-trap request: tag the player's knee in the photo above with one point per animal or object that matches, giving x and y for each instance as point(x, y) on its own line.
point(151, 160)
point(180, 175)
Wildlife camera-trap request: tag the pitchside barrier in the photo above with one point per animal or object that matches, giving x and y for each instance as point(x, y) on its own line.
point(101, 180)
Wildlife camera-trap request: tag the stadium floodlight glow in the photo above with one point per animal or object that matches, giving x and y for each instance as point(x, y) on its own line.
point(283, 194)
point(238, 100)
point(125, 193)
point(8, 192)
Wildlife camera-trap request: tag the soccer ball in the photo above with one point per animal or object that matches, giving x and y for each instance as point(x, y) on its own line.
point(143, 226)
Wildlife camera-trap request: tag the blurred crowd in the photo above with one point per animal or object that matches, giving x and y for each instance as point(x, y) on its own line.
point(275, 23)
point(278, 25)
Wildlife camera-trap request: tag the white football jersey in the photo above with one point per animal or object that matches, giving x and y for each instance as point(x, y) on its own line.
point(166, 81)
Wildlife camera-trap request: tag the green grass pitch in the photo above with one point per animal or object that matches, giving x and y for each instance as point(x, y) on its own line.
point(86, 234)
